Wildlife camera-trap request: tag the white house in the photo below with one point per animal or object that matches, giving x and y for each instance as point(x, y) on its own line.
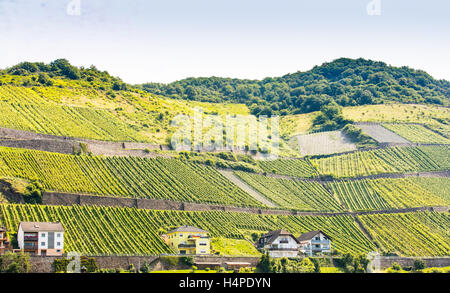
point(279, 243)
point(314, 242)
point(41, 238)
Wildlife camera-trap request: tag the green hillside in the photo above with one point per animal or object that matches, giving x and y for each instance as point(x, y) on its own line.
point(348, 82)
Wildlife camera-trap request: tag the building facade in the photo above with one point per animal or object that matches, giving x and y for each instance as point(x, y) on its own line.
point(4, 243)
point(315, 242)
point(41, 238)
point(279, 243)
point(188, 240)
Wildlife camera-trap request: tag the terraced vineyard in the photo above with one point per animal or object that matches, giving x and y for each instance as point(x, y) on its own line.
point(292, 194)
point(292, 167)
point(389, 160)
point(67, 121)
point(384, 194)
point(417, 133)
point(107, 230)
point(159, 178)
point(410, 234)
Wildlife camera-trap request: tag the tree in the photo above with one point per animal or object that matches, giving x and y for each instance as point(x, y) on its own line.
point(264, 265)
point(419, 265)
point(65, 68)
point(15, 263)
point(44, 79)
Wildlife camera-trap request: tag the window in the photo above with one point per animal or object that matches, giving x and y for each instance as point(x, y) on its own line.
point(58, 235)
point(42, 234)
point(181, 235)
point(58, 243)
point(58, 250)
point(202, 251)
point(317, 238)
point(42, 243)
point(203, 243)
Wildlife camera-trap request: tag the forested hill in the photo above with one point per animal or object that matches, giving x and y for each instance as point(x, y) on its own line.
point(346, 81)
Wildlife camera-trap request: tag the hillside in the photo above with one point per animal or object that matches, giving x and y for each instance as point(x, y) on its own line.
point(92, 152)
point(348, 82)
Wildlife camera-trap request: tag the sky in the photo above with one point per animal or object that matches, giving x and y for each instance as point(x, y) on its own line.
point(167, 40)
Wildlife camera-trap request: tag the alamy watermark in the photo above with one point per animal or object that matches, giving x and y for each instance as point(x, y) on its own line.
point(373, 8)
point(73, 8)
point(201, 132)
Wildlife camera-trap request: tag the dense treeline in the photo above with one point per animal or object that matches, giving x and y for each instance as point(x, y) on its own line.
point(347, 82)
point(39, 73)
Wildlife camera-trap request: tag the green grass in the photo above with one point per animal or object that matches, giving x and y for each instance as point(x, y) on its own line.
point(331, 270)
point(234, 247)
point(292, 194)
point(417, 133)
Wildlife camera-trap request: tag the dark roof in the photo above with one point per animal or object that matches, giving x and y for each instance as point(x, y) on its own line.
point(310, 235)
point(41, 227)
point(272, 235)
point(187, 229)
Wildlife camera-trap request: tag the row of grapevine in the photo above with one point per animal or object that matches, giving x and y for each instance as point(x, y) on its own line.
point(292, 194)
point(410, 234)
point(289, 167)
point(389, 160)
point(159, 178)
point(382, 194)
point(416, 133)
point(107, 230)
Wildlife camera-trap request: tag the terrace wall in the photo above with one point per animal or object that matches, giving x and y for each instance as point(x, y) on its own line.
point(68, 199)
point(41, 264)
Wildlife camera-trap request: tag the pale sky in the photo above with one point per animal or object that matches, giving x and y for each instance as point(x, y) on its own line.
point(163, 41)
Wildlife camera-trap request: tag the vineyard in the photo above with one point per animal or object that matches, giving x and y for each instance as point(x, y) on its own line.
point(417, 133)
point(24, 109)
point(289, 167)
point(159, 178)
point(106, 230)
point(389, 160)
point(384, 194)
point(292, 194)
point(411, 234)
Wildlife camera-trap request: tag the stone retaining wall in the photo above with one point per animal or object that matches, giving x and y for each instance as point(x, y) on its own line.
point(68, 199)
point(41, 264)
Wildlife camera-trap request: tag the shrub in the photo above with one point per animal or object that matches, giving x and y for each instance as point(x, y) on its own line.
point(15, 263)
point(419, 264)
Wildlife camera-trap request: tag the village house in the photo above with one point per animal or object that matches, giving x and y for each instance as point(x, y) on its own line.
point(41, 238)
point(314, 242)
point(279, 243)
point(189, 240)
point(3, 240)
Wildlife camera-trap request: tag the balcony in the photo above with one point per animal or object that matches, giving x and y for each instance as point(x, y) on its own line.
point(31, 238)
point(321, 248)
point(282, 249)
point(326, 242)
point(182, 245)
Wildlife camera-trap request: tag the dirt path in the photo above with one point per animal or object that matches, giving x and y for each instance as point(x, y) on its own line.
point(259, 197)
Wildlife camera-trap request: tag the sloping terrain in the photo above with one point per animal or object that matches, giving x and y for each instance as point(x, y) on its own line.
point(381, 134)
point(323, 143)
point(417, 133)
